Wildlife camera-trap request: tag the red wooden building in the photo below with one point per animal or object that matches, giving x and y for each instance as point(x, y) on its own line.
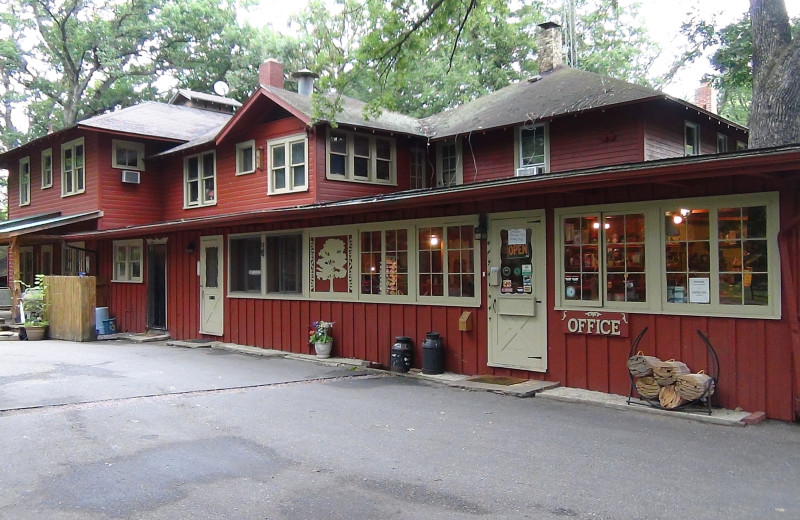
point(564, 194)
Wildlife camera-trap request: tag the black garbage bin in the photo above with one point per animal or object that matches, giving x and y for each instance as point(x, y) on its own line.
point(402, 354)
point(432, 354)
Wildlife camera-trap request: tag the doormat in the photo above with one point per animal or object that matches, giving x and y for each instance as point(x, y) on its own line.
point(497, 380)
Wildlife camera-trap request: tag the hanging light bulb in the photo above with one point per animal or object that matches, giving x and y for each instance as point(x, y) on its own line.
point(434, 240)
point(677, 219)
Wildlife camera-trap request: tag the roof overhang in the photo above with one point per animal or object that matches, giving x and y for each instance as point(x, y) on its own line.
point(43, 222)
point(758, 163)
point(251, 104)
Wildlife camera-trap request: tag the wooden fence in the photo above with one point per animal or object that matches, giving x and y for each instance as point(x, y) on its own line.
point(71, 309)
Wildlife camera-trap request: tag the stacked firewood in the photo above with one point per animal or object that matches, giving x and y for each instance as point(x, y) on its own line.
point(671, 382)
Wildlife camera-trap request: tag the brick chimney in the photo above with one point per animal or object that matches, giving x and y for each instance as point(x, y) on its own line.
point(550, 46)
point(270, 73)
point(706, 98)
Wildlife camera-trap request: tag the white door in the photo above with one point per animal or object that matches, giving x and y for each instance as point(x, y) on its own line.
point(211, 284)
point(517, 292)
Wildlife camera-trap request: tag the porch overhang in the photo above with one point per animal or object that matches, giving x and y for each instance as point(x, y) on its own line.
point(43, 222)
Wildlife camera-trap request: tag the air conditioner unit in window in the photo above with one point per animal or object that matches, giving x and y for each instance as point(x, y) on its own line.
point(530, 170)
point(131, 176)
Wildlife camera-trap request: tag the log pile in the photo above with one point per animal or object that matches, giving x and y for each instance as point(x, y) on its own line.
point(670, 382)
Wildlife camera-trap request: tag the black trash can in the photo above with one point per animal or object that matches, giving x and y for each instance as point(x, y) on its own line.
point(432, 354)
point(402, 354)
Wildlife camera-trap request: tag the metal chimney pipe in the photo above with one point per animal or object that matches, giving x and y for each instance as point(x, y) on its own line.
point(305, 81)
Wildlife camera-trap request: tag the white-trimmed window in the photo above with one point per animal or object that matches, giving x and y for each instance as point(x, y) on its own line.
point(24, 181)
point(417, 166)
point(200, 180)
point(127, 155)
point(127, 260)
point(447, 262)
point(358, 157)
point(705, 256)
point(266, 264)
point(246, 157)
point(47, 168)
point(691, 139)
point(288, 160)
point(73, 168)
point(722, 143)
point(533, 149)
point(385, 262)
point(449, 170)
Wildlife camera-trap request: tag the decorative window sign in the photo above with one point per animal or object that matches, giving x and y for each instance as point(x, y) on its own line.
point(595, 323)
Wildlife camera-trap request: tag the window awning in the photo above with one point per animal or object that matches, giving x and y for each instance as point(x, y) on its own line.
point(33, 224)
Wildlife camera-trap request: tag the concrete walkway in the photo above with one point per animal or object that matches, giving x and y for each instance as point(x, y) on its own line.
point(530, 388)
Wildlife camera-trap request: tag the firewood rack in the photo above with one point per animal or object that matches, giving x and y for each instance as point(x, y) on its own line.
point(705, 397)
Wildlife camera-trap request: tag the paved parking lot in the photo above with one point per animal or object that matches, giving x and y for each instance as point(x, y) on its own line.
point(124, 430)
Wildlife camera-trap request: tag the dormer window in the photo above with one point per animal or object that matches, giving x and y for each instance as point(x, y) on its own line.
point(691, 133)
point(533, 149)
point(360, 157)
point(127, 155)
point(448, 163)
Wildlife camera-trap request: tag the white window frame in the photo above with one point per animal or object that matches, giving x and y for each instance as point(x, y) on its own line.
point(203, 199)
point(655, 257)
point(459, 167)
point(417, 166)
point(77, 175)
point(128, 261)
point(131, 146)
point(24, 181)
point(264, 266)
point(286, 143)
point(240, 150)
point(47, 173)
point(722, 143)
point(349, 175)
point(535, 168)
point(412, 253)
point(691, 149)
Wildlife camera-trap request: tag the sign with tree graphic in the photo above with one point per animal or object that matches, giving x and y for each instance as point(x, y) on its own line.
point(332, 264)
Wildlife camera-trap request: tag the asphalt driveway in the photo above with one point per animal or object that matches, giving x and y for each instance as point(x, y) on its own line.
point(124, 430)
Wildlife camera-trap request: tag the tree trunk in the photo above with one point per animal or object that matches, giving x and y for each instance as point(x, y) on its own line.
point(775, 110)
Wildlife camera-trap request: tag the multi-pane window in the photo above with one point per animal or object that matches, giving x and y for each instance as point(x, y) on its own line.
point(417, 164)
point(266, 264)
point(384, 262)
point(75, 260)
point(73, 167)
point(24, 181)
point(47, 168)
point(287, 168)
point(532, 150)
point(25, 271)
point(715, 255)
point(200, 180)
point(127, 260)
point(446, 261)
point(245, 157)
point(691, 138)
point(448, 164)
point(127, 155)
point(361, 157)
point(722, 143)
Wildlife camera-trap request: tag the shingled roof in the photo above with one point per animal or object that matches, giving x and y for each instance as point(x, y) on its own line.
point(561, 91)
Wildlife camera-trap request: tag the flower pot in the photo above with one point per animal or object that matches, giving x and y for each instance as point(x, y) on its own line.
point(35, 332)
point(323, 349)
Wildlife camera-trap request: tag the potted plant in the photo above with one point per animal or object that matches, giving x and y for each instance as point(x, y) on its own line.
point(34, 307)
point(320, 336)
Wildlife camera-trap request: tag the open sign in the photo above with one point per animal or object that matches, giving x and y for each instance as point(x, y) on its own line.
point(517, 251)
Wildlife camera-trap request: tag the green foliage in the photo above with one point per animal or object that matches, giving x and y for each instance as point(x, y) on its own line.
point(34, 302)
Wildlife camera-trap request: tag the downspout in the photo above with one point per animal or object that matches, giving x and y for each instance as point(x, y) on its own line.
point(790, 279)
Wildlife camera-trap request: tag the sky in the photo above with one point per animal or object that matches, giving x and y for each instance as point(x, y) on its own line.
point(663, 19)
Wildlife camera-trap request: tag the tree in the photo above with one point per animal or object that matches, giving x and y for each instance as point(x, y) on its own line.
point(421, 58)
point(775, 111)
point(332, 261)
point(70, 59)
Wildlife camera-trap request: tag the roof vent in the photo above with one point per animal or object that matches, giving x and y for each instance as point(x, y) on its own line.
point(305, 81)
